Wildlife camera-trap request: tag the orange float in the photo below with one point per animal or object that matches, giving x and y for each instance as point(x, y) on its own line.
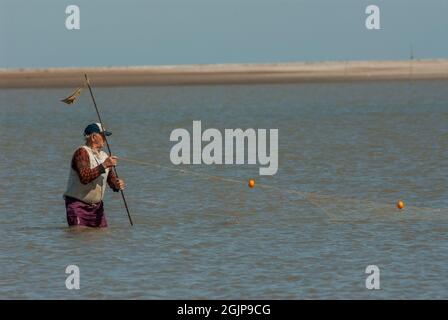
point(251, 183)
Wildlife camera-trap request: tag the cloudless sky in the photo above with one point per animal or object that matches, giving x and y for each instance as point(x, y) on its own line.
point(165, 32)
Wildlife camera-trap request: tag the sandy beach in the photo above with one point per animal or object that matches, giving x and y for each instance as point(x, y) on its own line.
point(227, 73)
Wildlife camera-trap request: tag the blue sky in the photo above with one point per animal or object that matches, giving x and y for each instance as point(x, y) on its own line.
point(161, 32)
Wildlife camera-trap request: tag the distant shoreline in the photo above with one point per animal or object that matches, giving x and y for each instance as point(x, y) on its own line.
point(227, 74)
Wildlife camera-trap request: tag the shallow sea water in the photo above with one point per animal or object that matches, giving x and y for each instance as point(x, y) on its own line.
point(347, 153)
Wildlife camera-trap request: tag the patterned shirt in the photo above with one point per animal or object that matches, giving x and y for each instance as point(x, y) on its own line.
point(81, 164)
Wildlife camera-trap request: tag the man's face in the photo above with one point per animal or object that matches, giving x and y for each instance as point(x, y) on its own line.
point(99, 139)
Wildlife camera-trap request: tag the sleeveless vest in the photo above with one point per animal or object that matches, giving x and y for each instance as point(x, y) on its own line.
point(92, 192)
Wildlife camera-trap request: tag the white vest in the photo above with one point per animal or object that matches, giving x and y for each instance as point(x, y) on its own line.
point(92, 192)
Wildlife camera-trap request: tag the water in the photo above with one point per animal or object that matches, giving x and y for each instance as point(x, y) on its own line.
point(347, 153)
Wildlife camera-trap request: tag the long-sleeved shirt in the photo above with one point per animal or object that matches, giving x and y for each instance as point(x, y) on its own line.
point(81, 164)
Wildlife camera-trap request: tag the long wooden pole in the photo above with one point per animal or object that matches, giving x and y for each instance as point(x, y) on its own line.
point(108, 147)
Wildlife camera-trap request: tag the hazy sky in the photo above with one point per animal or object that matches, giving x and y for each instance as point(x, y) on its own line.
point(157, 32)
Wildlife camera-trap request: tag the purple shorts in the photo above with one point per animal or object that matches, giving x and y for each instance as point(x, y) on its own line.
point(83, 214)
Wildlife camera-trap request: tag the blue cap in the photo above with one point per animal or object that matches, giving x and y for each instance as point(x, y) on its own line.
point(95, 128)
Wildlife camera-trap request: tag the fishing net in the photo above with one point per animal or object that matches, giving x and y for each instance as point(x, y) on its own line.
point(333, 207)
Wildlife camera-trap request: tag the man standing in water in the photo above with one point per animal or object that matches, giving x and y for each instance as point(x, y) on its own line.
point(90, 172)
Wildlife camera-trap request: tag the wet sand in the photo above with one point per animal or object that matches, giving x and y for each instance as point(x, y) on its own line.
point(227, 73)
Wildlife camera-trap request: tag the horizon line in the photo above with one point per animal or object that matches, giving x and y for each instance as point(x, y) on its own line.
point(230, 64)
point(214, 74)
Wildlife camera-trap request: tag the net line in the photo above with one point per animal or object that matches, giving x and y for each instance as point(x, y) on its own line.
point(336, 208)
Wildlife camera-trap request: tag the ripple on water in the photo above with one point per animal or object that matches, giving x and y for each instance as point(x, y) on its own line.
point(309, 233)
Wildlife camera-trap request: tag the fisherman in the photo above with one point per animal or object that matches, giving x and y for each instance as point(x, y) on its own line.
point(91, 170)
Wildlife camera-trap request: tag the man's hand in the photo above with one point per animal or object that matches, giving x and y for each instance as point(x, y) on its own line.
point(110, 162)
point(120, 184)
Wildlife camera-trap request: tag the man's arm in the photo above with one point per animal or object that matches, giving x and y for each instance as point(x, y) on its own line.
point(112, 181)
point(81, 164)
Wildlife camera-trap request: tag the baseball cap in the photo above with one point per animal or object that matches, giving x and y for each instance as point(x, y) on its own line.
point(96, 128)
